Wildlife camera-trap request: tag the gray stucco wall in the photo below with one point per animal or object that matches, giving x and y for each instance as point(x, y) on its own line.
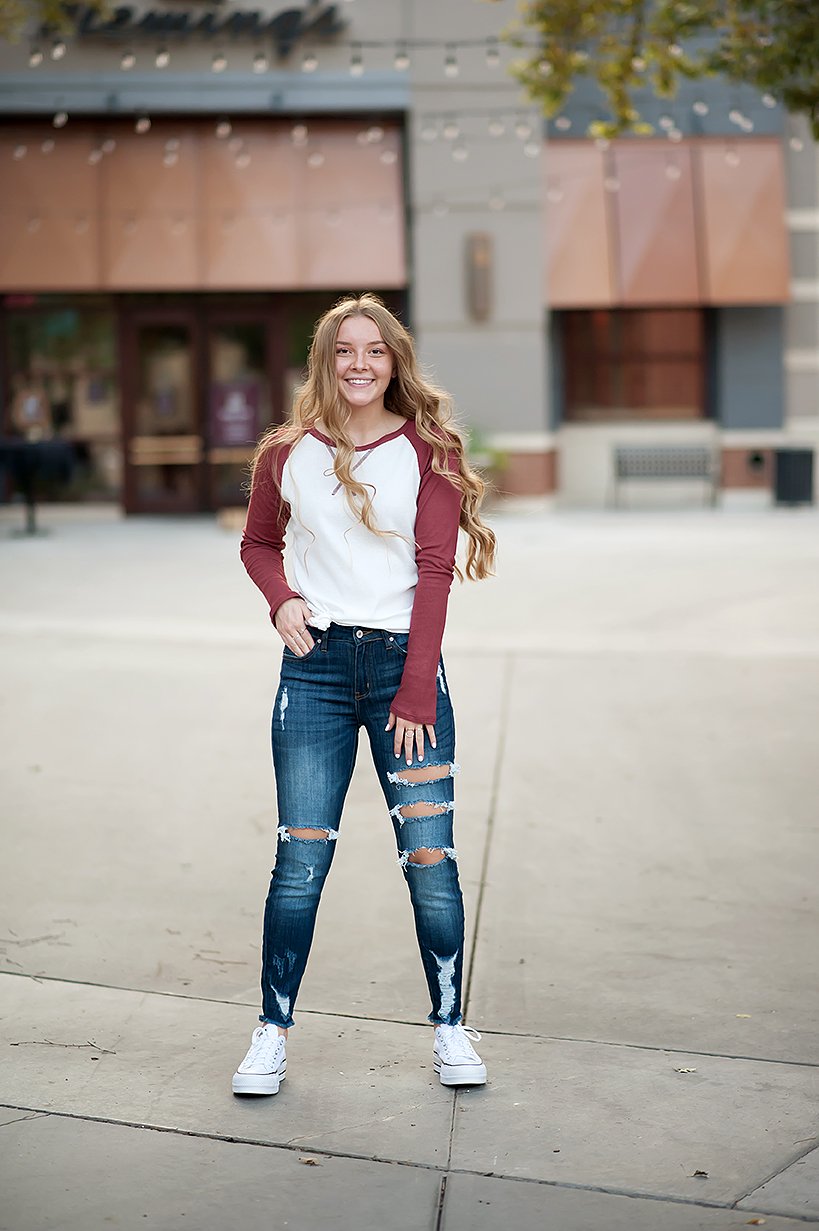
point(749, 386)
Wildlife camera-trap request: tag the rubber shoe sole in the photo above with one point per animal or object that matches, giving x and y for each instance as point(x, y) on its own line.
point(259, 1083)
point(460, 1074)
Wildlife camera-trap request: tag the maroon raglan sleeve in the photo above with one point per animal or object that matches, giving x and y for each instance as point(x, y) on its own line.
point(436, 540)
point(263, 535)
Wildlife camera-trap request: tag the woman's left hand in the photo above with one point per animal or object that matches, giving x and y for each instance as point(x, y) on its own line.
point(409, 734)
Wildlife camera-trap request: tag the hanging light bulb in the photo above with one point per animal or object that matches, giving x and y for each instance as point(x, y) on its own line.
point(638, 64)
point(523, 129)
point(223, 129)
point(611, 183)
point(109, 145)
point(496, 128)
point(675, 50)
point(672, 171)
point(35, 57)
point(172, 145)
point(235, 144)
point(219, 62)
point(796, 144)
point(309, 62)
point(48, 146)
point(768, 100)
point(451, 62)
point(700, 107)
point(58, 49)
point(429, 131)
point(127, 60)
point(451, 129)
point(602, 143)
point(544, 68)
point(665, 122)
point(674, 134)
point(531, 149)
point(170, 159)
point(388, 157)
point(375, 134)
point(94, 157)
point(563, 123)
point(19, 152)
point(732, 157)
point(315, 159)
point(143, 124)
point(243, 160)
point(460, 153)
point(554, 195)
point(60, 119)
point(162, 58)
point(492, 54)
point(356, 61)
point(402, 60)
point(260, 62)
point(33, 224)
point(735, 116)
point(298, 134)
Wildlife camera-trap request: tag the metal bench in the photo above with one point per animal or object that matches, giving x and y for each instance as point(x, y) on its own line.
point(665, 462)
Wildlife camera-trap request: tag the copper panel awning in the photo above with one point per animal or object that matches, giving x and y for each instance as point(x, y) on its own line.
point(743, 204)
point(578, 272)
point(179, 208)
point(700, 221)
point(654, 224)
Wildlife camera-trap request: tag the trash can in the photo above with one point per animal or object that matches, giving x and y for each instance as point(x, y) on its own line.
point(793, 476)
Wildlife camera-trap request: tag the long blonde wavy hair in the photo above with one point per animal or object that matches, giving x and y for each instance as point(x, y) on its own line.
point(408, 394)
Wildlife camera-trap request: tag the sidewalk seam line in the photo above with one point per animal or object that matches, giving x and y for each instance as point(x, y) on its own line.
point(400, 1021)
point(393, 1162)
point(779, 1171)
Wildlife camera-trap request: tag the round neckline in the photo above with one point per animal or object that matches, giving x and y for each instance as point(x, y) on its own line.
point(361, 448)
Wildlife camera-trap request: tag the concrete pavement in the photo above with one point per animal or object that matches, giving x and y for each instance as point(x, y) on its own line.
point(636, 697)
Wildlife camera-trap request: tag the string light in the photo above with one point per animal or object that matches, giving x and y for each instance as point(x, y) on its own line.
point(94, 157)
point(531, 149)
point(60, 119)
point(611, 183)
point(223, 129)
point(460, 153)
point(127, 60)
point(451, 62)
point(451, 130)
point(672, 171)
point(523, 129)
point(219, 62)
point(20, 151)
point(554, 194)
point(496, 128)
point(260, 62)
point(375, 134)
point(700, 107)
point(48, 146)
point(33, 224)
point(493, 54)
point(298, 134)
point(402, 60)
point(35, 57)
point(58, 49)
point(388, 157)
point(768, 100)
point(665, 122)
point(170, 159)
point(163, 58)
point(796, 144)
point(675, 134)
point(356, 62)
point(309, 62)
point(243, 160)
point(315, 159)
point(143, 124)
point(108, 145)
point(429, 132)
point(732, 157)
point(563, 123)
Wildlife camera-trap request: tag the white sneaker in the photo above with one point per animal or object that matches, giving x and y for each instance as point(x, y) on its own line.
point(456, 1060)
point(265, 1065)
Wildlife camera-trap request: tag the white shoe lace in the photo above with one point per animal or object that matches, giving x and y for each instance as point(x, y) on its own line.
point(454, 1040)
point(262, 1050)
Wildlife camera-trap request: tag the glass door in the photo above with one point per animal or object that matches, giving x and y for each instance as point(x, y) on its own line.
point(240, 404)
point(164, 471)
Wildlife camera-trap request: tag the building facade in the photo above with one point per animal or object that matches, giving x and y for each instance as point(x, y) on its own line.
point(187, 187)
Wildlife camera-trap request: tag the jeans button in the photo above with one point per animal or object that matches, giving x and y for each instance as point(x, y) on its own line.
point(358, 633)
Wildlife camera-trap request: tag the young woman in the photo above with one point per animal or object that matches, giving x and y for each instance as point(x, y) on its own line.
point(369, 475)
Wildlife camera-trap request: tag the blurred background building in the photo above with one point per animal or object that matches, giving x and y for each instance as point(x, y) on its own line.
point(186, 186)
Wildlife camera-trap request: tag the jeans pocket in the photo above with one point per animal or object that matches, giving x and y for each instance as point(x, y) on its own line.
point(400, 641)
point(316, 634)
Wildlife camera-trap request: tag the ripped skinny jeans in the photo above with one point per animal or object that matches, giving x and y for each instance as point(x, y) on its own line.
point(349, 678)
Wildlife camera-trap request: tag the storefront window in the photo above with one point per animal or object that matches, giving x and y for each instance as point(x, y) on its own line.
point(634, 363)
point(61, 382)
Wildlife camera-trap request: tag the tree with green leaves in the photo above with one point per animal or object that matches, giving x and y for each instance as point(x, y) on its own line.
point(628, 46)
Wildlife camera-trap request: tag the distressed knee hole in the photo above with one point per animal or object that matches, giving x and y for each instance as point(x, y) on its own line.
point(286, 832)
point(425, 773)
point(425, 854)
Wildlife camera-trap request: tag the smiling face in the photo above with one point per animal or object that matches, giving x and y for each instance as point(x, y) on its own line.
point(364, 363)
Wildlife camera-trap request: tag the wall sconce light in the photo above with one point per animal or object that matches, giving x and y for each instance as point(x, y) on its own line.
point(478, 268)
